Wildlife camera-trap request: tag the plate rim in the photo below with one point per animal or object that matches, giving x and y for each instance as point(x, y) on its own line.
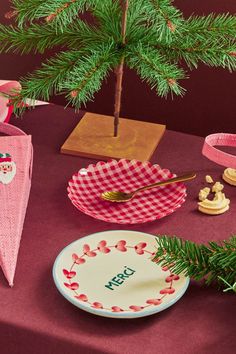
point(106, 313)
point(134, 221)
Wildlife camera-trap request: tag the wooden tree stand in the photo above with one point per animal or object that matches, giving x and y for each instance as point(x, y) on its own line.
point(93, 138)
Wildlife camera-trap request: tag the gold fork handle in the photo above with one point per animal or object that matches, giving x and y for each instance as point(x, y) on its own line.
point(185, 177)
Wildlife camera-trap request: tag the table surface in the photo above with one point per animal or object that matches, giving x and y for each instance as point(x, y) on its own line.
point(35, 318)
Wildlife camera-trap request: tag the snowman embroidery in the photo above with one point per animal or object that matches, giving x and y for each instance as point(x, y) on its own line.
point(7, 168)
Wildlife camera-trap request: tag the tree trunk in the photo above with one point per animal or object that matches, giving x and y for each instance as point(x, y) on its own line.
point(120, 69)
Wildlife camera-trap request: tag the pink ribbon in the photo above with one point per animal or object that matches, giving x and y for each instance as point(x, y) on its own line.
point(218, 156)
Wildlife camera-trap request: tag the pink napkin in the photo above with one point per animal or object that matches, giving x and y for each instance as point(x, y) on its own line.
point(7, 87)
point(16, 157)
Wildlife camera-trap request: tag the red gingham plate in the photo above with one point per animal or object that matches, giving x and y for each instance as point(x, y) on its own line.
point(86, 186)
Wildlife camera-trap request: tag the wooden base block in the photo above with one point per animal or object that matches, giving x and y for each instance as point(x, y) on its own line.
point(93, 138)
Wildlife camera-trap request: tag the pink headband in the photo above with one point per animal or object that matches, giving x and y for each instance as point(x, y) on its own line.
point(218, 156)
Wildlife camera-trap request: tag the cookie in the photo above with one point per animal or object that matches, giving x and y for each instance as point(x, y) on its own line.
point(229, 176)
point(203, 194)
point(217, 187)
point(218, 205)
point(209, 179)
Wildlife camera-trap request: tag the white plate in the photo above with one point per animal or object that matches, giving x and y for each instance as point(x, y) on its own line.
point(111, 274)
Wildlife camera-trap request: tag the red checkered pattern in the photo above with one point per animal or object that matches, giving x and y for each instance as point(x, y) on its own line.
point(86, 186)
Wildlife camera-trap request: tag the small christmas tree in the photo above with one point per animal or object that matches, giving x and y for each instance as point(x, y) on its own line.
point(150, 36)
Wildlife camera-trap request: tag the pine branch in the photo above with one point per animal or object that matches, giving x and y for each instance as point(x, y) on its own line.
point(87, 75)
point(62, 11)
point(155, 69)
point(213, 263)
point(164, 18)
point(38, 39)
point(68, 74)
point(108, 15)
point(230, 287)
point(210, 52)
point(221, 26)
point(46, 81)
point(207, 39)
point(136, 20)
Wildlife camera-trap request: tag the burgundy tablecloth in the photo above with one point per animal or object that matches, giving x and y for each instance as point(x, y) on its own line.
point(35, 318)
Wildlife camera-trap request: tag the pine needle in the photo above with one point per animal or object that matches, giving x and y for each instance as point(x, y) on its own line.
point(215, 262)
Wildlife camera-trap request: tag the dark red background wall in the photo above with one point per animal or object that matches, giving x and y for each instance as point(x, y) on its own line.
point(207, 107)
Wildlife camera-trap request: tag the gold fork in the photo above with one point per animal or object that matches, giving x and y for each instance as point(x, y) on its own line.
point(117, 196)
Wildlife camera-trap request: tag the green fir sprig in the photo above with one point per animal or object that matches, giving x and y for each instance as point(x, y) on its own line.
point(156, 41)
point(214, 262)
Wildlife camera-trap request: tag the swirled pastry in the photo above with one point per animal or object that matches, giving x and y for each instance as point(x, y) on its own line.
point(219, 205)
point(229, 176)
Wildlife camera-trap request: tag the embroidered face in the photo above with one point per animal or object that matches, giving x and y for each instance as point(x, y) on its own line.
point(7, 171)
point(5, 167)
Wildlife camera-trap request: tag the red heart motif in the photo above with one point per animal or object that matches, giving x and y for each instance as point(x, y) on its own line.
point(69, 274)
point(88, 252)
point(72, 286)
point(97, 305)
point(167, 291)
point(172, 277)
point(165, 268)
point(136, 308)
point(77, 259)
point(120, 246)
point(116, 309)
point(102, 247)
point(82, 297)
point(154, 301)
point(139, 247)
